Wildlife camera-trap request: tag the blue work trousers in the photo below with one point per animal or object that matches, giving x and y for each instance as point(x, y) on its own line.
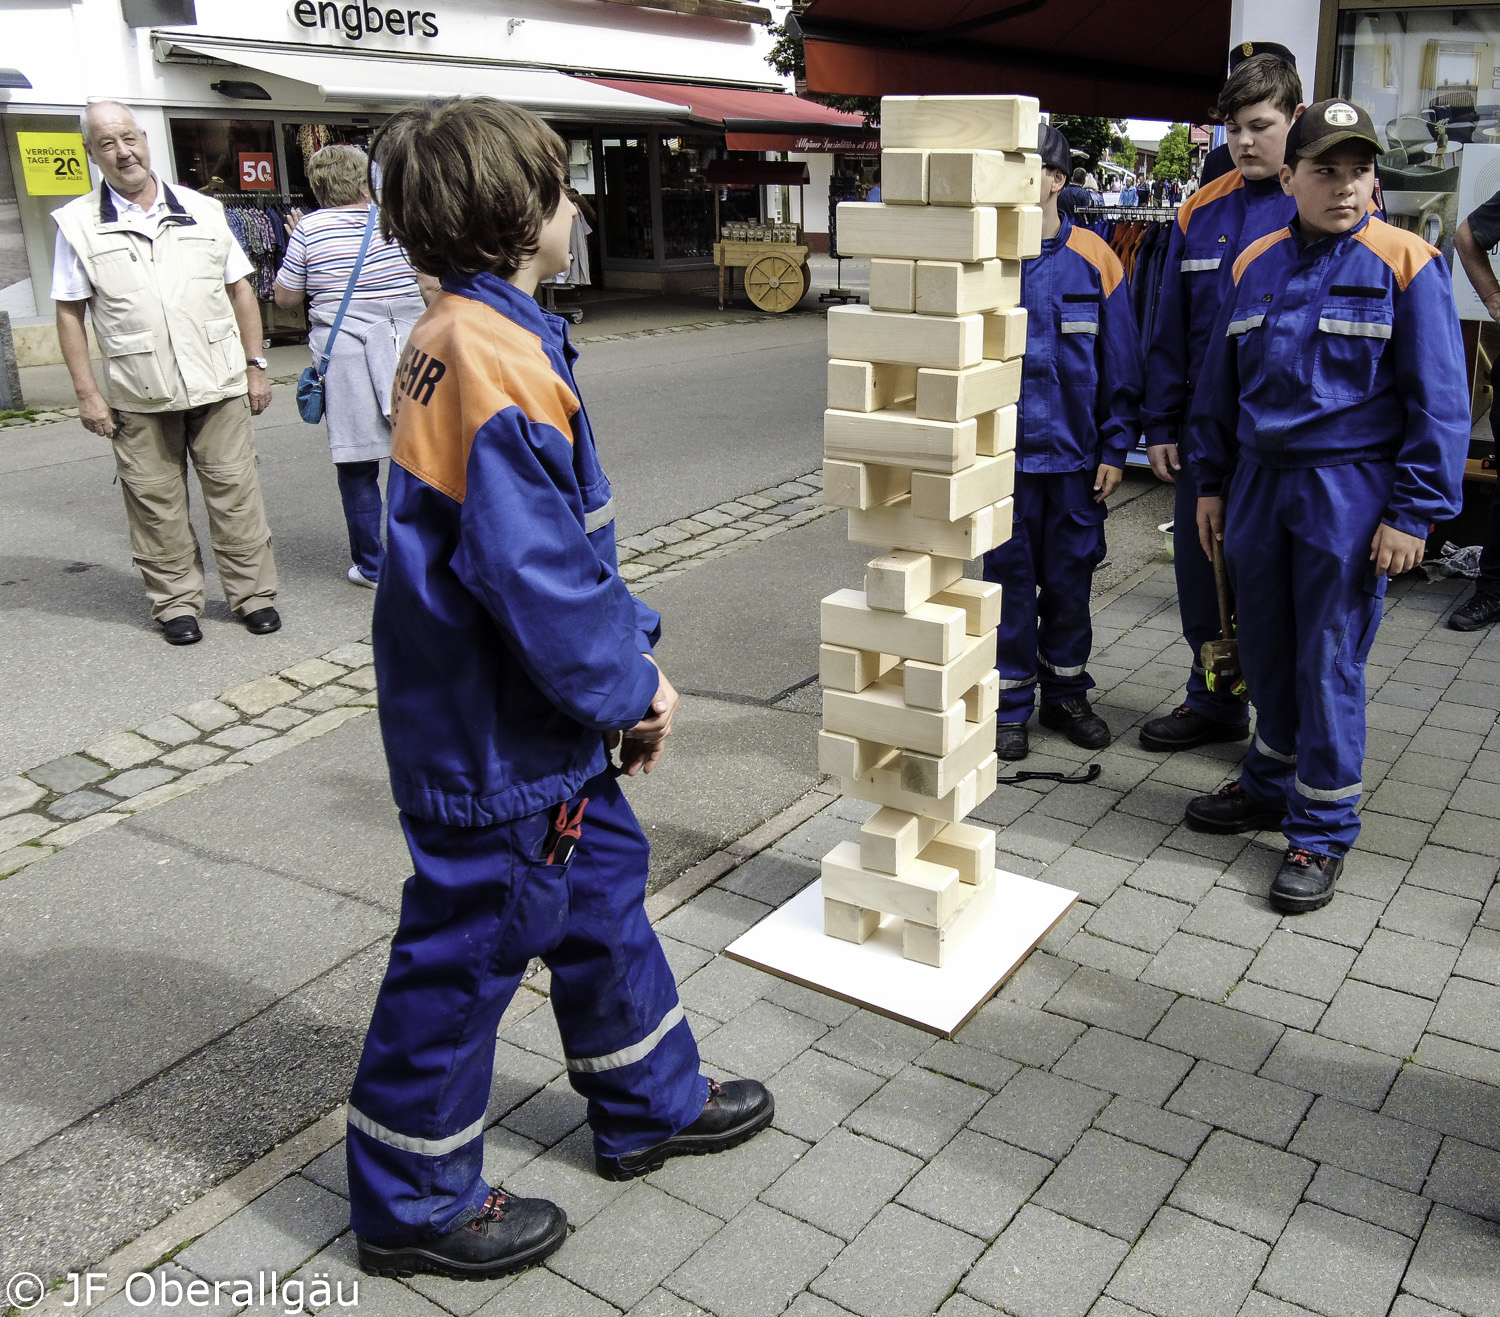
point(359, 491)
point(1045, 570)
point(1297, 545)
point(481, 903)
point(1198, 604)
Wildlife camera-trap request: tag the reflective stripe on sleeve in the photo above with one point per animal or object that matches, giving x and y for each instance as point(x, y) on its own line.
point(590, 1065)
point(1194, 267)
point(1273, 754)
point(1317, 793)
point(423, 1147)
point(1080, 326)
point(1354, 328)
point(600, 517)
point(1237, 327)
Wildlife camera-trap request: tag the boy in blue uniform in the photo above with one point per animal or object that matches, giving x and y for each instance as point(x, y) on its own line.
point(1333, 419)
point(510, 656)
point(1080, 393)
point(1258, 104)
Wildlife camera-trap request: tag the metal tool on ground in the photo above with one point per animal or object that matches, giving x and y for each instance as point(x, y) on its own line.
point(1221, 657)
point(1051, 775)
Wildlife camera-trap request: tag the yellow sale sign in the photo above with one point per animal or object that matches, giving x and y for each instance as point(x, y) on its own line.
point(53, 164)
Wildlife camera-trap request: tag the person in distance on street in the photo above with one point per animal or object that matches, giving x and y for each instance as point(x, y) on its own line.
point(1080, 393)
point(1333, 421)
point(1258, 104)
point(511, 661)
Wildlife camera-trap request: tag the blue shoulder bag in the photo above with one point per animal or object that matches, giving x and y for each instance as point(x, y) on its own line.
point(310, 382)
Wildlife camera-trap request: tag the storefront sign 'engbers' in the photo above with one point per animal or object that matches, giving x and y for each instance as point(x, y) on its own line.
point(363, 19)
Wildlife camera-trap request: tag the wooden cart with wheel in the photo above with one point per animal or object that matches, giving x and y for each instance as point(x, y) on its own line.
point(776, 276)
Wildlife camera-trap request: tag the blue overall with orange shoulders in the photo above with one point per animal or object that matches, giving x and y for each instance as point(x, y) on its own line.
point(1333, 400)
point(506, 646)
point(1080, 393)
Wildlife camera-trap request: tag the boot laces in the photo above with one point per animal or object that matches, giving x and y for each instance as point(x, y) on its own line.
point(1304, 859)
point(494, 1209)
point(1232, 790)
point(715, 1089)
point(1182, 711)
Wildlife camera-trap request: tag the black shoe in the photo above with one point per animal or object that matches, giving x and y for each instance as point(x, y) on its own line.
point(182, 630)
point(1305, 881)
point(508, 1234)
point(1182, 729)
point(1231, 809)
point(1078, 722)
point(1482, 609)
point(734, 1112)
point(262, 621)
point(1012, 740)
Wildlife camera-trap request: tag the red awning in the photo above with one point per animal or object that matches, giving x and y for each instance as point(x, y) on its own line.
point(760, 120)
point(1116, 58)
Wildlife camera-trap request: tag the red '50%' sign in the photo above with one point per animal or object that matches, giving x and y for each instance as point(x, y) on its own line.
point(257, 170)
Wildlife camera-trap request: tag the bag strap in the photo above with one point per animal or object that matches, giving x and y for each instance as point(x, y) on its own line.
point(348, 293)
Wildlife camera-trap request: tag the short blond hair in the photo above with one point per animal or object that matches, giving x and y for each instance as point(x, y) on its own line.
point(337, 173)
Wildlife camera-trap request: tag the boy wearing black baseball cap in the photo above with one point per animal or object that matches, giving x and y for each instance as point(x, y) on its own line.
point(1333, 420)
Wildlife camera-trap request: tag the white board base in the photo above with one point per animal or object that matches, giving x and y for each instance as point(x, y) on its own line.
point(790, 943)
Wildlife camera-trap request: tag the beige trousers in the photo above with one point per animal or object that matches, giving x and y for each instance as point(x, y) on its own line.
point(151, 455)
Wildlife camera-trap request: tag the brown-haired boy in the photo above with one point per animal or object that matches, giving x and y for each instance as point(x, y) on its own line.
point(510, 657)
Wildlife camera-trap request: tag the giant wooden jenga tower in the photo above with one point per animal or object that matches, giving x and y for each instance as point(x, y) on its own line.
point(919, 443)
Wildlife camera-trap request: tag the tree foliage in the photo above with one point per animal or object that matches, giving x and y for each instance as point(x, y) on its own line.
point(1125, 154)
point(786, 57)
point(1174, 156)
point(1087, 133)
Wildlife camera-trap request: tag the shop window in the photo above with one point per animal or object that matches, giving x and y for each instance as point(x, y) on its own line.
point(225, 155)
point(687, 203)
point(301, 140)
point(628, 230)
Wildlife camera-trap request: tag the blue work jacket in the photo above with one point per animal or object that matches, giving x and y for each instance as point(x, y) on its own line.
point(506, 643)
point(1212, 228)
point(1081, 382)
point(1342, 350)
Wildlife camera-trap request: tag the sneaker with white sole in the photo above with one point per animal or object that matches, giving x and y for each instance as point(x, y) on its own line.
point(357, 577)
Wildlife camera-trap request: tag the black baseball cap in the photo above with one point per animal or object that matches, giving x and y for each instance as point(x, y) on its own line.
point(1324, 125)
point(1053, 147)
point(1249, 49)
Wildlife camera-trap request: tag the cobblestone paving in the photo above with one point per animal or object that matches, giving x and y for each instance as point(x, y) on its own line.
point(1181, 1105)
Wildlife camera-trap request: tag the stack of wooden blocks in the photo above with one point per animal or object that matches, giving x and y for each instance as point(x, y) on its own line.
point(920, 447)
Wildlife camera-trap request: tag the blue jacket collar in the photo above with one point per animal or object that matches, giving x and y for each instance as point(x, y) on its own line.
point(509, 301)
point(1322, 245)
point(1059, 238)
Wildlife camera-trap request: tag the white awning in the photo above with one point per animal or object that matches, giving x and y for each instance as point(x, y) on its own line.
point(396, 81)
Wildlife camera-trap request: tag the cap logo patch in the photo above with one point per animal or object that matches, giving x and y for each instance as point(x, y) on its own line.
point(1248, 48)
point(1339, 115)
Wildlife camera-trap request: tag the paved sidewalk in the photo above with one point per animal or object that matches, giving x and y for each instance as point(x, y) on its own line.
point(1181, 1105)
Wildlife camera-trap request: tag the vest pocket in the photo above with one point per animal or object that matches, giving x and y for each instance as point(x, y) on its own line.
point(223, 336)
point(117, 271)
point(133, 368)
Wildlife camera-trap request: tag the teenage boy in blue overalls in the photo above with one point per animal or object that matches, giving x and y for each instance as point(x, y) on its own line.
point(1333, 421)
point(1080, 392)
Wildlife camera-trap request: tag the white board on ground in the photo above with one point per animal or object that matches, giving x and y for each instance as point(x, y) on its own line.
point(790, 943)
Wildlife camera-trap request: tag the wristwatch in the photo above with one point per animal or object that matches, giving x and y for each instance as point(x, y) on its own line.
point(260, 363)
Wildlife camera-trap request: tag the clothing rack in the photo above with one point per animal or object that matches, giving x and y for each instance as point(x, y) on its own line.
point(1147, 214)
point(257, 221)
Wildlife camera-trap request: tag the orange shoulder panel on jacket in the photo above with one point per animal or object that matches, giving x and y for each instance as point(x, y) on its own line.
point(1403, 251)
point(1256, 248)
point(1220, 187)
point(1099, 254)
point(462, 364)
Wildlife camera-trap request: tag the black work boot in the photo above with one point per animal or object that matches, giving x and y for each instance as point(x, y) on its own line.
point(1230, 809)
point(1078, 722)
point(1182, 729)
point(507, 1235)
point(1012, 740)
point(1304, 881)
point(735, 1111)
point(1482, 609)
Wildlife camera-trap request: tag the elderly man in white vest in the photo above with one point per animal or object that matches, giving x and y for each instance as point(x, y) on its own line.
point(180, 332)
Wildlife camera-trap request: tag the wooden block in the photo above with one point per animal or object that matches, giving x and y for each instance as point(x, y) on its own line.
point(959, 288)
point(862, 485)
point(869, 386)
point(897, 436)
point(893, 284)
point(933, 633)
point(947, 498)
point(966, 848)
point(849, 923)
point(891, 839)
point(1005, 517)
point(996, 433)
point(1020, 233)
point(956, 395)
point(983, 178)
point(896, 525)
point(882, 786)
point(980, 601)
point(851, 758)
point(903, 178)
point(844, 669)
point(879, 713)
point(900, 580)
point(959, 123)
point(939, 233)
point(858, 333)
point(1034, 164)
point(937, 685)
point(927, 893)
point(933, 946)
point(982, 700)
point(937, 775)
point(1004, 334)
point(987, 778)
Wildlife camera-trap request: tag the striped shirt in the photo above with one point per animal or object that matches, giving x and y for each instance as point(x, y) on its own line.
point(320, 257)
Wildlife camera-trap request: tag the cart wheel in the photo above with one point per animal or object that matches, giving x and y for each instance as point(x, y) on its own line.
point(775, 283)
